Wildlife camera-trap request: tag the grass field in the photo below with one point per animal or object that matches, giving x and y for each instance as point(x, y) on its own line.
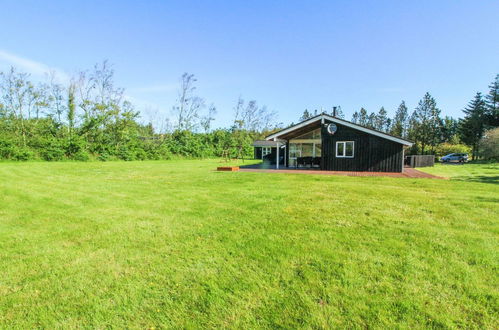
point(176, 244)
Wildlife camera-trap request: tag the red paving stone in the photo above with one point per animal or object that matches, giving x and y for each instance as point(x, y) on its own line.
point(407, 173)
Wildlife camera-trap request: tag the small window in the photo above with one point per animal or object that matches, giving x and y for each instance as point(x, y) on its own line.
point(344, 149)
point(266, 151)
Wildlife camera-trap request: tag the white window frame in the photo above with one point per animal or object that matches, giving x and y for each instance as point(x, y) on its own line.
point(345, 149)
point(266, 151)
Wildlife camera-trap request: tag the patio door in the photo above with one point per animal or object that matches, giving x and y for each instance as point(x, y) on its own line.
point(294, 153)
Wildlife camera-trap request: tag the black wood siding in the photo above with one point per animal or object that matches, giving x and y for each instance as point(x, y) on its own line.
point(371, 153)
point(258, 152)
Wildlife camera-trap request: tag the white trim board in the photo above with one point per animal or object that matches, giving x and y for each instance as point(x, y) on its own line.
point(341, 122)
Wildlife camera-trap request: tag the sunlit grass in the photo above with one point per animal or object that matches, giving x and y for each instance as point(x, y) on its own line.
point(176, 244)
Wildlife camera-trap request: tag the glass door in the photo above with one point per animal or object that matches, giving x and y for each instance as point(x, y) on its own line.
point(294, 153)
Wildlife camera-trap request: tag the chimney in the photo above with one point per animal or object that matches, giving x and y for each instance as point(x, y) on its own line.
point(334, 111)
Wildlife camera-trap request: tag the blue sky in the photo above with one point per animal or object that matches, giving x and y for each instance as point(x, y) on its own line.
point(287, 55)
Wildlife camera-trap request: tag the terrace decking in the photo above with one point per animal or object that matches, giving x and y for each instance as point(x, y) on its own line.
point(407, 173)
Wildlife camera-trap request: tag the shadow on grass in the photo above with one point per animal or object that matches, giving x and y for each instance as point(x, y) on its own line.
point(494, 179)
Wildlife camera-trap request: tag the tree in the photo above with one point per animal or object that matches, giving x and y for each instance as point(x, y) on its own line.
point(381, 121)
point(400, 121)
point(56, 98)
point(339, 112)
point(449, 130)
point(210, 116)
point(425, 123)
point(250, 120)
point(355, 117)
point(492, 102)
point(371, 120)
point(17, 95)
point(473, 125)
point(363, 117)
point(188, 107)
point(71, 110)
point(489, 145)
point(252, 117)
point(305, 115)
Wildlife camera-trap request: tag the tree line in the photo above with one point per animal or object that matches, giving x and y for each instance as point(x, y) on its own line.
point(90, 118)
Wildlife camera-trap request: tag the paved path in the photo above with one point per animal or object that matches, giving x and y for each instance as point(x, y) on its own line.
point(407, 173)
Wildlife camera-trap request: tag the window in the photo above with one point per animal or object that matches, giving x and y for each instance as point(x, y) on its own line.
point(344, 149)
point(266, 151)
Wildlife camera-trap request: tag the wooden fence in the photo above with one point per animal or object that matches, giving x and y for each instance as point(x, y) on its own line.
point(419, 160)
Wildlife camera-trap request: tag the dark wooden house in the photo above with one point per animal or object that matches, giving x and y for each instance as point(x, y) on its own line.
point(329, 143)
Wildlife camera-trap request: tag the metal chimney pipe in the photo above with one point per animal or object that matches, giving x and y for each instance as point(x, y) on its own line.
point(334, 111)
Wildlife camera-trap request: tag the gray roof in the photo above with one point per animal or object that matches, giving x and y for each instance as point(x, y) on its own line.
point(265, 143)
point(324, 116)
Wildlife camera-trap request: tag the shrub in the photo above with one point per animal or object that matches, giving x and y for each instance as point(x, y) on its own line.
point(140, 154)
point(124, 153)
point(23, 154)
point(489, 145)
point(52, 153)
point(7, 149)
point(103, 157)
point(447, 148)
point(81, 156)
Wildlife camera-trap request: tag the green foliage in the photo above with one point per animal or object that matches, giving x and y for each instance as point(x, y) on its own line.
point(23, 154)
point(90, 119)
point(305, 115)
point(449, 129)
point(425, 124)
point(7, 149)
point(492, 101)
point(400, 121)
point(489, 145)
point(53, 150)
point(448, 148)
point(473, 126)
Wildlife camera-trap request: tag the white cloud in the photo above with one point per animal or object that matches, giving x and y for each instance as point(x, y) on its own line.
point(33, 67)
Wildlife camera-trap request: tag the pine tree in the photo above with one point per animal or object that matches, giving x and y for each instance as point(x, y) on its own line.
point(473, 125)
point(381, 120)
point(492, 102)
point(425, 123)
point(306, 115)
point(363, 117)
point(339, 113)
point(355, 117)
point(371, 120)
point(449, 129)
point(400, 121)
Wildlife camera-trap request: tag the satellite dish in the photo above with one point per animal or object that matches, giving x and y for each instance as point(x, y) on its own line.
point(332, 128)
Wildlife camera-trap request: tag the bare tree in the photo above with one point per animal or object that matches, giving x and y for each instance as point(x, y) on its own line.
point(252, 117)
point(102, 80)
point(250, 121)
point(206, 120)
point(17, 95)
point(41, 99)
point(71, 109)
point(56, 97)
point(189, 106)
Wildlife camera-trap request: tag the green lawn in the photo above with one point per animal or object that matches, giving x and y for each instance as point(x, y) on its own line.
point(176, 244)
point(487, 173)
